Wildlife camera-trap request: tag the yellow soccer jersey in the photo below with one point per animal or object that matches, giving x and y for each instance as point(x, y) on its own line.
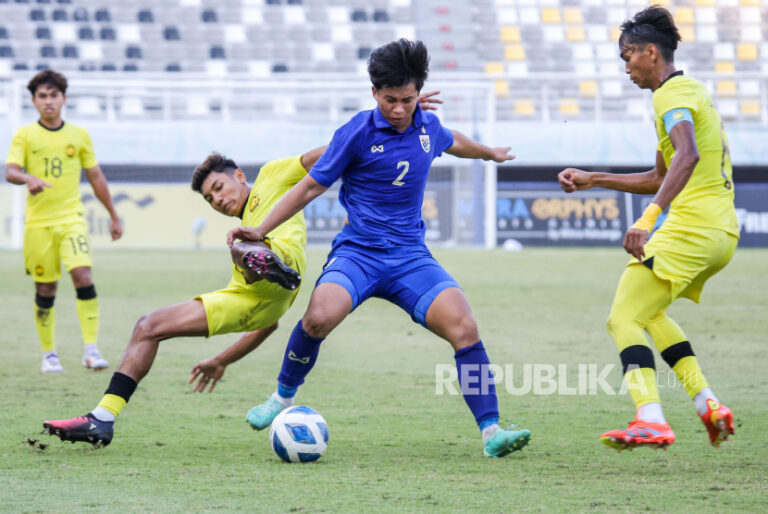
point(707, 198)
point(289, 239)
point(58, 158)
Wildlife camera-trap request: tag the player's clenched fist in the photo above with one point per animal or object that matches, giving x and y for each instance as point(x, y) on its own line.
point(572, 179)
point(244, 234)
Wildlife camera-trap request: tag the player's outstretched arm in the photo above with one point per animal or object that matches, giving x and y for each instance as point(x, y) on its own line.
point(309, 158)
point(101, 190)
point(210, 371)
point(647, 182)
point(294, 200)
point(469, 149)
point(15, 175)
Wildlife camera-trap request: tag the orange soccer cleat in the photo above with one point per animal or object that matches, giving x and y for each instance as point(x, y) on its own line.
point(640, 433)
point(719, 422)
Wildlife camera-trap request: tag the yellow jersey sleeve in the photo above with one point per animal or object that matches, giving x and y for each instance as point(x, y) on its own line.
point(17, 151)
point(707, 198)
point(87, 155)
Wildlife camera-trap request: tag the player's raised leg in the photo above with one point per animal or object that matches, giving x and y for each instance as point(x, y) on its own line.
point(259, 262)
point(87, 304)
point(450, 317)
point(678, 353)
point(639, 296)
point(183, 319)
point(329, 305)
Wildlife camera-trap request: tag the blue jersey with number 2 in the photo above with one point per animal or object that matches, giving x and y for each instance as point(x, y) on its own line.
point(383, 175)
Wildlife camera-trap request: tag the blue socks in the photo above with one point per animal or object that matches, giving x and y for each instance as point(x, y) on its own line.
point(300, 356)
point(477, 384)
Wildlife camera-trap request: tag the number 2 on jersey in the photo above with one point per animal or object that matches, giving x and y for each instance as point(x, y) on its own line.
point(399, 180)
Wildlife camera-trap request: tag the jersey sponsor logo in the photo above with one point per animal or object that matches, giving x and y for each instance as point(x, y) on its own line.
point(678, 115)
point(254, 202)
point(377, 149)
point(302, 360)
point(424, 138)
point(70, 150)
point(329, 262)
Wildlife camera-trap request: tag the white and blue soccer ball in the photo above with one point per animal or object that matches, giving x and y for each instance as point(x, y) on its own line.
point(299, 434)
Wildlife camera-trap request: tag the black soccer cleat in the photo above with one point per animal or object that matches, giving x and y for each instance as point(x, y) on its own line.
point(266, 265)
point(86, 428)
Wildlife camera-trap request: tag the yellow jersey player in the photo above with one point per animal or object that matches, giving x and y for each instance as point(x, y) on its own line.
point(698, 238)
point(265, 281)
point(53, 154)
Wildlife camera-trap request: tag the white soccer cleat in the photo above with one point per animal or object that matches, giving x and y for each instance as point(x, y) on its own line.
point(51, 364)
point(92, 359)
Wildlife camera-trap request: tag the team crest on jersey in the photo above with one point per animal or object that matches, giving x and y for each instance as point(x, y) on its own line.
point(254, 202)
point(377, 149)
point(424, 138)
point(39, 270)
point(677, 115)
point(70, 150)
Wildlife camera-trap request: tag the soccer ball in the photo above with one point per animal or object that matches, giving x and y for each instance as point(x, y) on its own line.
point(299, 434)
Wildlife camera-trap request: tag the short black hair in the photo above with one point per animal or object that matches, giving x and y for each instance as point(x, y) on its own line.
point(50, 78)
point(214, 163)
point(652, 25)
point(399, 63)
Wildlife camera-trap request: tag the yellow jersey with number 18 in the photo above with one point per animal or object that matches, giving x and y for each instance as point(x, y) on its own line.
point(58, 158)
point(707, 198)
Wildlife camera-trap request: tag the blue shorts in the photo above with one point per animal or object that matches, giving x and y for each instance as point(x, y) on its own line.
point(407, 276)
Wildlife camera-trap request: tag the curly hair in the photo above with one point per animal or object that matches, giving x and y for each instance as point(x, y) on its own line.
point(399, 63)
point(652, 25)
point(50, 78)
point(214, 163)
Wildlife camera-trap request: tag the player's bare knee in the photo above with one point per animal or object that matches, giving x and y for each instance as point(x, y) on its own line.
point(144, 329)
point(464, 331)
point(316, 323)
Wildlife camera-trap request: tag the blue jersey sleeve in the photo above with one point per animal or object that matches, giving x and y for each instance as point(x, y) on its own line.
point(341, 152)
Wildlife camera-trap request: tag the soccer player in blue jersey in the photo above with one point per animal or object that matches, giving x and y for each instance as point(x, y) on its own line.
point(383, 158)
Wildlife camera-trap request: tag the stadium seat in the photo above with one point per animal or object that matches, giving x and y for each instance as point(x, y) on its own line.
point(726, 88)
point(102, 15)
point(525, 107)
point(750, 107)
point(171, 33)
point(6, 52)
point(59, 15)
point(130, 67)
point(107, 34)
point(85, 33)
point(173, 67)
point(70, 52)
point(209, 16)
point(510, 34)
point(3, 33)
point(587, 88)
point(568, 106)
point(575, 34)
point(494, 67)
point(501, 88)
point(133, 52)
point(550, 15)
point(145, 16)
point(80, 14)
point(37, 15)
point(359, 15)
point(724, 67)
point(514, 53)
point(20, 66)
point(747, 52)
point(42, 33)
point(380, 16)
point(47, 52)
point(216, 52)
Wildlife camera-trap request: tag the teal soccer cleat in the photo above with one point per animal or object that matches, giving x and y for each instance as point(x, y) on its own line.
point(261, 416)
point(506, 441)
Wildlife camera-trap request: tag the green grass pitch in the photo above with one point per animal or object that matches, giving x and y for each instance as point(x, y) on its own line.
point(395, 444)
